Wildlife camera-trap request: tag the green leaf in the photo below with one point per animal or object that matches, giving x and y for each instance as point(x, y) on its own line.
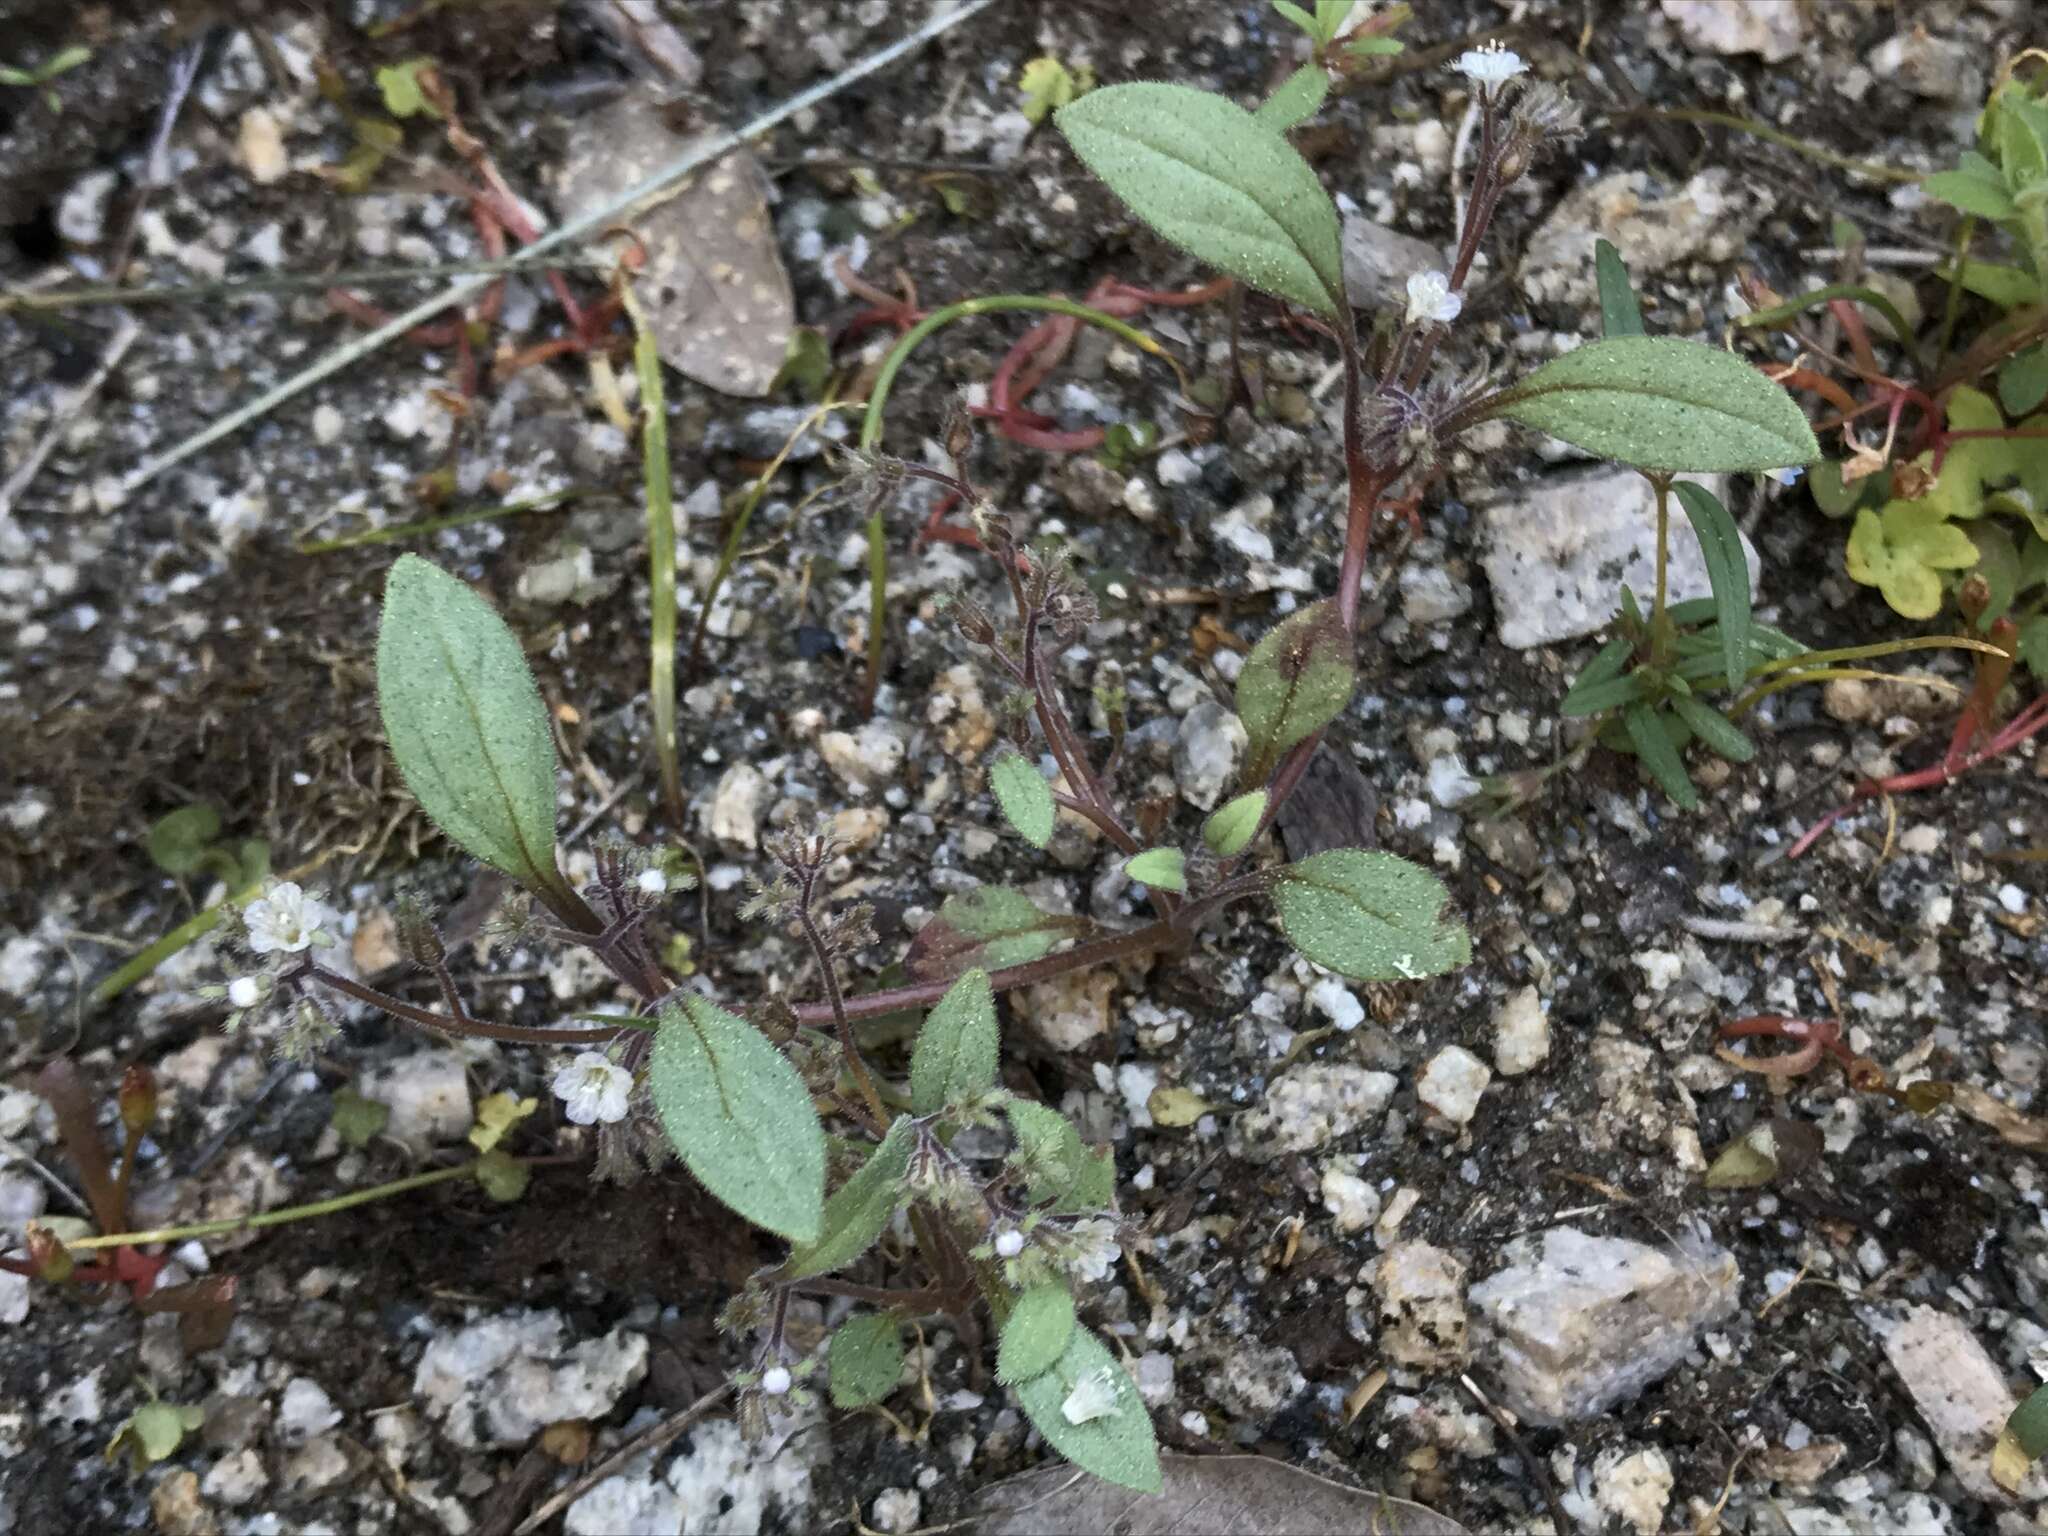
point(2033, 644)
point(1727, 572)
point(1832, 494)
point(954, 1059)
point(2023, 381)
point(1164, 869)
point(865, 1358)
point(497, 1117)
point(1976, 186)
point(1375, 47)
point(400, 84)
point(1048, 1150)
point(1090, 1412)
point(1039, 1328)
point(990, 926)
point(1297, 99)
point(1331, 16)
point(2029, 1424)
point(1231, 827)
point(858, 1211)
point(740, 1117)
point(180, 841)
point(1046, 85)
point(1369, 916)
point(1215, 182)
point(1661, 403)
point(1998, 562)
point(1655, 750)
point(1900, 549)
point(1620, 315)
point(153, 1432)
point(1296, 680)
point(1026, 799)
point(503, 1177)
point(1596, 698)
point(356, 1120)
point(2007, 287)
point(1094, 1187)
point(1715, 729)
point(465, 722)
point(1301, 19)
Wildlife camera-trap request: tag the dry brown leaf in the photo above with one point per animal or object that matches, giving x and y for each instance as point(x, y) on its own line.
point(2014, 1128)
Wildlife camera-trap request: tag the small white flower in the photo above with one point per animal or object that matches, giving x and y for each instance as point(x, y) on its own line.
point(1493, 66)
point(652, 882)
point(1094, 1396)
point(284, 920)
point(594, 1089)
point(775, 1380)
point(1430, 298)
point(244, 992)
point(1095, 1248)
point(1009, 1243)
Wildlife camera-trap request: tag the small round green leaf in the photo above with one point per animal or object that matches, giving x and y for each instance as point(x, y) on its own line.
point(465, 721)
point(865, 1358)
point(1036, 1334)
point(1089, 1411)
point(741, 1117)
point(178, 842)
point(1658, 402)
point(1164, 869)
point(1231, 828)
point(1025, 797)
point(1369, 916)
point(955, 1055)
point(1296, 680)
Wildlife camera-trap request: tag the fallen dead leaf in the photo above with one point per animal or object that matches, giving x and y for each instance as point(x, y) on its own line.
point(2014, 1128)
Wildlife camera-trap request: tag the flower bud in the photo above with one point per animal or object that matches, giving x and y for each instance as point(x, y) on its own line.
point(137, 1099)
point(51, 1258)
point(417, 939)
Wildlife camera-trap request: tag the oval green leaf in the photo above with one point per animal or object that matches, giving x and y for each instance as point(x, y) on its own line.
point(1369, 916)
point(1660, 755)
point(859, 1210)
point(1048, 1151)
point(1300, 94)
point(990, 926)
point(1727, 572)
point(1231, 828)
point(865, 1358)
point(1026, 799)
point(1620, 315)
point(1658, 402)
point(1039, 1328)
point(1715, 729)
point(741, 1118)
point(1296, 680)
point(1164, 869)
point(466, 723)
point(1089, 1410)
point(1213, 180)
point(955, 1056)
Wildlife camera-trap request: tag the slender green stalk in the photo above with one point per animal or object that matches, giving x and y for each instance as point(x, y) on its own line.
point(278, 1218)
point(657, 476)
point(426, 525)
point(187, 933)
point(1953, 307)
point(1662, 632)
point(1820, 666)
point(1851, 291)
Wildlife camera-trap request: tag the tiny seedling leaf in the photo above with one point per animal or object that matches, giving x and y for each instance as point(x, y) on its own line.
point(503, 1177)
point(1026, 799)
point(465, 722)
point(496, 1118)
point(1657, 753)
point(1727, 572)
point(1297, 99)
point(741, 1118)
point(1039, 1328)
point(1301, 19)
point(1231, 827)
point(1832, 494)
point(1094, 1187)
point(356, 1120)
point(859, 1210)
point(2023, 381)
point(1975, 186)
point(1164, 869)
point(990, 926)
point(1048, 1150)
point(1090, 1412)
point(1900, 549)
point(153, 1433)
point(180, 841)
point(2033, 643)
point(1213, 180)
point(865, 1358)
point(1619, 313)
point(1047, 85)
point(400, 85)
point(954, 1059)
point(1369, 916)
point(1658, 402)
point(1296, 680)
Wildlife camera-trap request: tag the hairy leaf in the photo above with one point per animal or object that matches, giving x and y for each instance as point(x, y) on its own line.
point(1036, 1333)
point(1213, 180)
point(1026, 799)
point(990, 926)
point(865, 1358)
point(1048, 1149)
point(1727, 572)
point(1661, 403)
point(1619, 313)
point(1231, 827)
point(1089, 1411)
point(1164, 869)
point(741, 1118)
point(465, 722)
point(955, 1055)
point(1369, 916)
point(858, 1211)
point(1296, 680)
point(1297, 99)
point(1602, 685)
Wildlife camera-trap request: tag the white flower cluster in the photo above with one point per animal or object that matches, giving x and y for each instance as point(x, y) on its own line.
point(282, 922)
point(1490, 67)
point(594, 1089)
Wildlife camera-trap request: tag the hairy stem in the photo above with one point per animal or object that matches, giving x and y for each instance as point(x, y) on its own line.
point(427, 1018)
